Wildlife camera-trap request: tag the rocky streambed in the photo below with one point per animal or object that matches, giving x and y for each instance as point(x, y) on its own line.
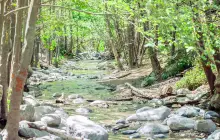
point(86, 113)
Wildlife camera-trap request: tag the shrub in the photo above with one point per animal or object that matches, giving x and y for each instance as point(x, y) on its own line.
point(192, 79)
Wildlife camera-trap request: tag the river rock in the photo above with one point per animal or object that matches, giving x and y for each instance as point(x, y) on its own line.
point(30, 100)
point(215, 101)
point(74, 96)
point(27, 112)
point(160, 113)
point(183, 91)
point(40, 111)
point(83, 127)
point(79, 101)
point(188, 111)
point(56, 95)
point(153, 128)
point(206, 126)
point(27, 132)
point(128, 132)
point(83, 111)
point(215, 135)
point(52, 120)
point(135, 136)
point(51, 137)
point(155, 103)
point(180, 123)
point(143, 109)
point(211, 115)
point(99, 103)
point(121, 121)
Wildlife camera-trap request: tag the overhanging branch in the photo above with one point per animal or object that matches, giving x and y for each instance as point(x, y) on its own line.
point(48, 5)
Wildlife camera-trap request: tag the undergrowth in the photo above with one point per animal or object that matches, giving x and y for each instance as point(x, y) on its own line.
point(192, 79)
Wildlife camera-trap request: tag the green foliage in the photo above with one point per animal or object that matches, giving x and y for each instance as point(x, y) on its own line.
point(149, 80)
point(192, 79)
point(57, 60)
point(175, 66)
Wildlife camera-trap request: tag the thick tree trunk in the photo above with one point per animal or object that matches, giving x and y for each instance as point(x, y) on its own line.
point(5, 40)
point(153, 57)
point(16, 54)
point(131, 46)
point(20, 76)
point(206, 67)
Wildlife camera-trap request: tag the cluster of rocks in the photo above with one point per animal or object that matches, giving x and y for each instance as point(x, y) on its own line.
point(48, 75)
point(56, 118)
point(161, 121)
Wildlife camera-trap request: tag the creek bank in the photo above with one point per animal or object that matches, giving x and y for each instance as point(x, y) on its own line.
point(155, 120)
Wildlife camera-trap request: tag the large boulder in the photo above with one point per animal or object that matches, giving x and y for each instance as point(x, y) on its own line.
point(52, 120)
point(160, 113)
point(81, 126)
point(79, 101)
point(183, 91)
point(215, 135)
point(83, 111)
point(51, 137)
point(153, 128)
point(40, 111)
point(180, 123)
point(27, 112)
point(27, 132)
point(143, 109)
point(206, 126)
point(30, 100)
point(188, 111)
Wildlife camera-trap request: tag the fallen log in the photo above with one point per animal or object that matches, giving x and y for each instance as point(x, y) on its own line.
point(123, 75)
point(151, 93)
point(56, 132)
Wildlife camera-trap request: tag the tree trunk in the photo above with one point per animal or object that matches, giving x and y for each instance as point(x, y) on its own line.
point(20, 76)
point(153, 57)
point(16, 53)
point(113, 46)
point(5, 40)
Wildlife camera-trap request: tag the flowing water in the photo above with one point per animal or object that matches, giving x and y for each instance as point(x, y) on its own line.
point(90, 89)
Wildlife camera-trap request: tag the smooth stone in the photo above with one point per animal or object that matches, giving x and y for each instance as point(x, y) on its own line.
point(27, 112)
point(160, 113)
point(40, 111)
point(74, 96)
point(79, 101)
point(83, 127)
point(30, 100)
point(143, 109)
point(56, 95)
point(211, 114)
point(188, 111)
point(52, 120)
point(177, 123)
point(99, 103)
point(27, 132)
point(215, 135)
point(206, 126)
point(153, 128)
point(121, 121)
point(83, 111)
point(128, 132)
point(135, 136)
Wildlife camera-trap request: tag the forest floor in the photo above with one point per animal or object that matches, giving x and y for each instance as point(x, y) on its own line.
point(87, 81)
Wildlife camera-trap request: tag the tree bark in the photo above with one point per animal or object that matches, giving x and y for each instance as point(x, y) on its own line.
point(113, 47)
point(5, 40)
point(20, 76)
